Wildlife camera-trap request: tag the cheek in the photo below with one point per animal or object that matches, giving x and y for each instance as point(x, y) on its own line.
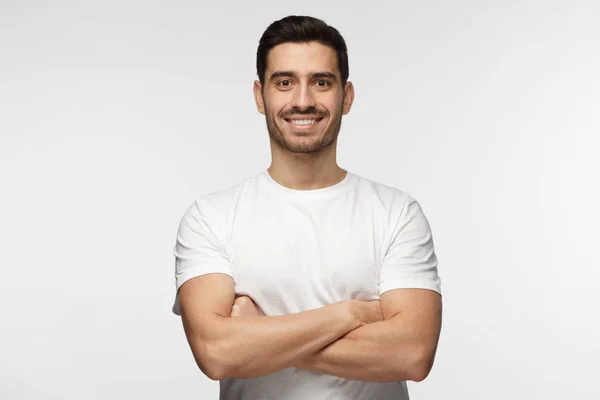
point(333, 104)
point(276, 101)
point(275, 110)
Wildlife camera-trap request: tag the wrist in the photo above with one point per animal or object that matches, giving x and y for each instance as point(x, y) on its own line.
point(352, 314)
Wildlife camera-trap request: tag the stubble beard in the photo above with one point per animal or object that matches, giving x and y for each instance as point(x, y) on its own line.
point(304, 145)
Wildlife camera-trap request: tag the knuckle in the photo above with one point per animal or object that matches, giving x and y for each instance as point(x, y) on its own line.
point(243, 300)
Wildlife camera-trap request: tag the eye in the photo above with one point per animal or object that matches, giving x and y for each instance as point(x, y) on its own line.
point(323, 83)
point(284, 83)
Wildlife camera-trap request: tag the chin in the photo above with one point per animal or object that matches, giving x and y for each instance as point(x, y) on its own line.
point(306, 145)
point(300, 141)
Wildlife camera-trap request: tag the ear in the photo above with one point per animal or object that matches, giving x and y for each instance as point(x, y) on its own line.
point(348, 98)
point(258, 97)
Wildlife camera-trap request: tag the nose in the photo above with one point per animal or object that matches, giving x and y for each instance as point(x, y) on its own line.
point(303, 97)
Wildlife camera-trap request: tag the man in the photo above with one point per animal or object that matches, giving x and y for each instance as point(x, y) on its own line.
point(307, 281)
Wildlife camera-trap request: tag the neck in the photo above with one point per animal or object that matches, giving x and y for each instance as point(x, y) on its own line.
point(305, 171)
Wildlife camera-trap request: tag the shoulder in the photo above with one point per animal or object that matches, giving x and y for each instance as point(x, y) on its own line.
point(389, 197)
point(219, 204)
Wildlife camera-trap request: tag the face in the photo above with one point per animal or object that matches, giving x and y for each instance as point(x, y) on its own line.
point(302, 97)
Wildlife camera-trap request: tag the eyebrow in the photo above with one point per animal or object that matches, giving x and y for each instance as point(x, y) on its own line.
point(292, 74)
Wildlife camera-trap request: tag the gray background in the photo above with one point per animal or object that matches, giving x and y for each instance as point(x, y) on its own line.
point(116, 115)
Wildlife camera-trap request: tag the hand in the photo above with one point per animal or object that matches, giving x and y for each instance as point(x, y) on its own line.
point(243, 306)
point(367, 312)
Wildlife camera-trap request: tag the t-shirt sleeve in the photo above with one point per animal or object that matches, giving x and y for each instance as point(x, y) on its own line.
point(200, 247)
point(410, 260)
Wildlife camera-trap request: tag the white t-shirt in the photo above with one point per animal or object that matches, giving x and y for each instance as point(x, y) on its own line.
point(298, 250)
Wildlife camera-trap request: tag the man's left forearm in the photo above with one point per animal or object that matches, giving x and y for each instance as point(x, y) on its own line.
point(379, 352)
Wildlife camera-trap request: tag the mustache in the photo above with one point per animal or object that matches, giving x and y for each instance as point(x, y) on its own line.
point(308, 111)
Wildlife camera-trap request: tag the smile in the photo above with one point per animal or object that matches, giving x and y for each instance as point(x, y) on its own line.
point(304, 123)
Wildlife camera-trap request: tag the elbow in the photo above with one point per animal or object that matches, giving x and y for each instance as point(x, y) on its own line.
point(419, 374)
point(211, 360)
point(422, 362)
point(214, 372)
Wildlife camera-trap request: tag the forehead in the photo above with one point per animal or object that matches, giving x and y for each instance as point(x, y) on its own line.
point(302, 58)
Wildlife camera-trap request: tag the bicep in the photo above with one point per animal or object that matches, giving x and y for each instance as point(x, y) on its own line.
point(203, 274)
point(419, 311)
point(205, 287)
point(415, 317)
point(202, 300)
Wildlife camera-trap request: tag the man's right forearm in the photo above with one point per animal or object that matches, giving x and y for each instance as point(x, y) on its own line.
point(246, 347)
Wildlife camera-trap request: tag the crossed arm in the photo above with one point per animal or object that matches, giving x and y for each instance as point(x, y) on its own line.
point(391, 340)
point(401, 347)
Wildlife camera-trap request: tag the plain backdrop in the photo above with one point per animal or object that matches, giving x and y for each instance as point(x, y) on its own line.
point(116, 115)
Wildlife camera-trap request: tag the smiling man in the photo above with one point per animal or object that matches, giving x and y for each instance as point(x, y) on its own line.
point(307, 281)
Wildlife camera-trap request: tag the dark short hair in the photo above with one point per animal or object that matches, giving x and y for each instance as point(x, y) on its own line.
point(301, 29)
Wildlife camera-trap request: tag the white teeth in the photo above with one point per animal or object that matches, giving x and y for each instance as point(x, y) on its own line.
point(303, 121)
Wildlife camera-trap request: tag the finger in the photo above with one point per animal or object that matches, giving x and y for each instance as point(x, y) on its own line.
point(235, 311)
point(244, 301)
point(249, 309)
